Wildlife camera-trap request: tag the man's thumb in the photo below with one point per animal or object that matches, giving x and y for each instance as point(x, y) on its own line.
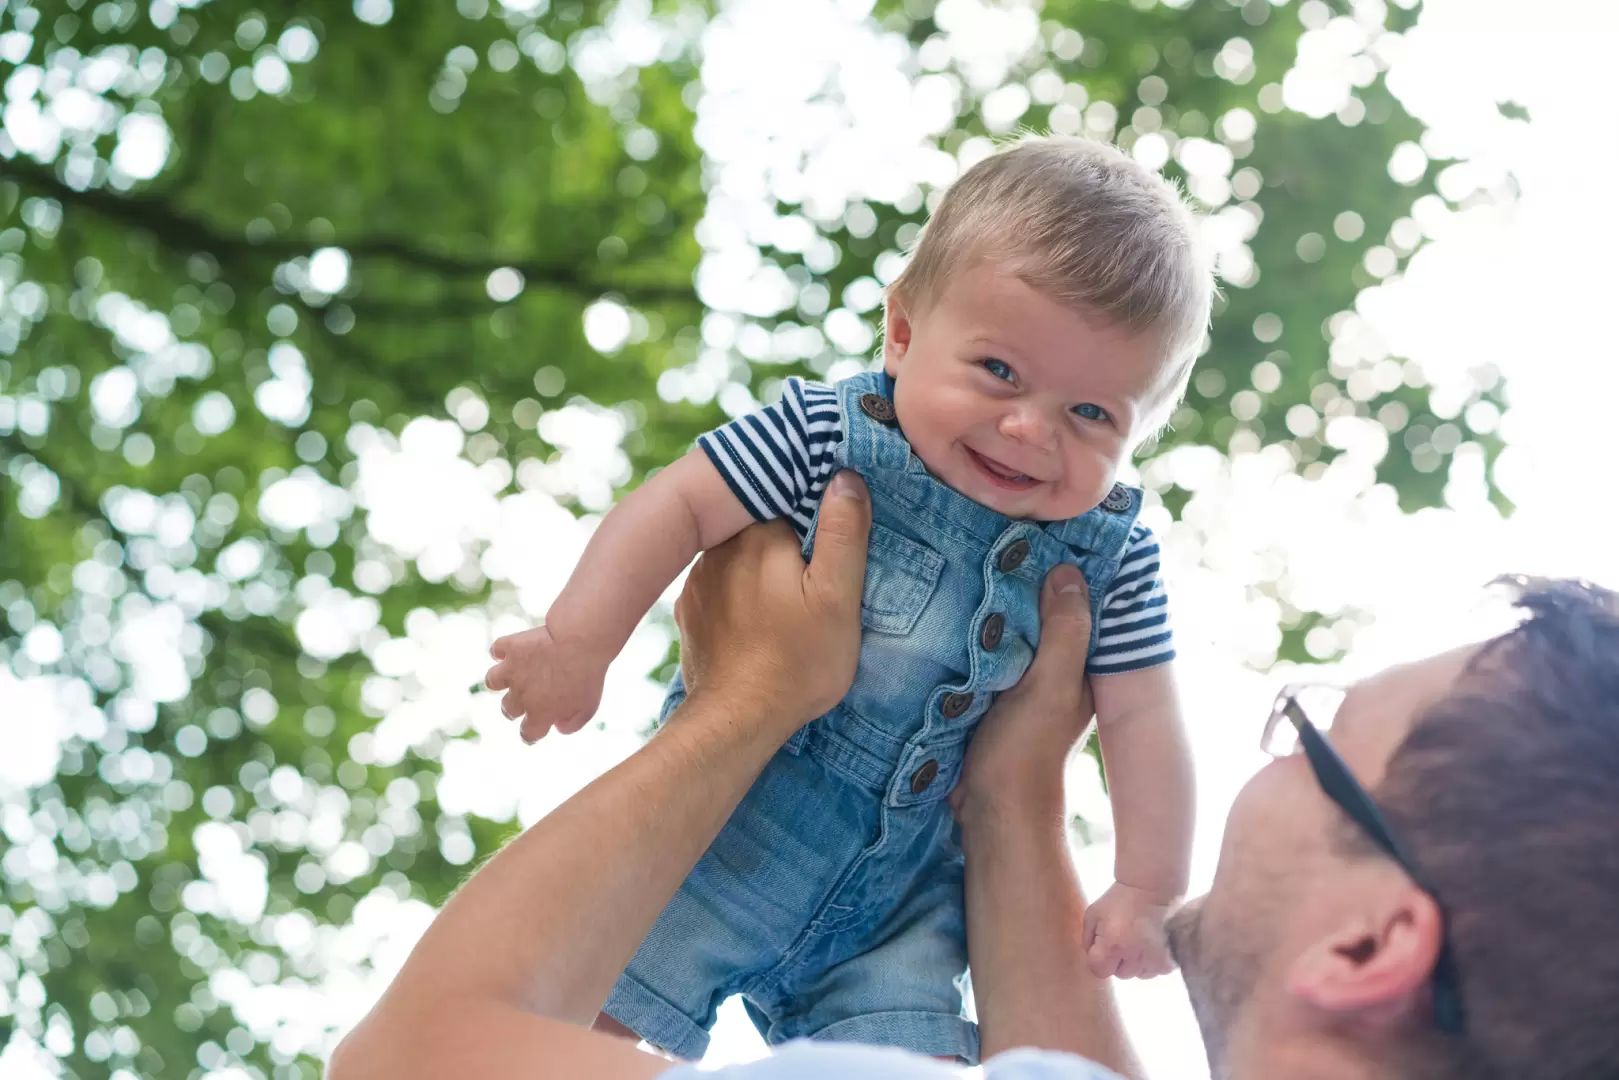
point(1065, 619)
point(838, 565)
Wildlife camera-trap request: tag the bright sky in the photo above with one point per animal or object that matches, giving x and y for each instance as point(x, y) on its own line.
point(1526, 287)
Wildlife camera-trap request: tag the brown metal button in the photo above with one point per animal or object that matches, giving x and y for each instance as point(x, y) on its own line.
point(878, 408)
point(924, 776)
point(1118, 500)
point(1012, 556)
point(954, 705)
point(990, 636)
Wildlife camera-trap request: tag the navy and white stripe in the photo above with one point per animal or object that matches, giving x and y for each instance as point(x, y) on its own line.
point(778, 460)
point(1134, 629)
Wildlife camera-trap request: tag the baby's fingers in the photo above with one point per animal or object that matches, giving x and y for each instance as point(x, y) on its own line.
point(498, 649)
point(1102, 959)
point(498, 677)
point(1161, 964)
point(572, 723)
point(1089, 927)
point(534, 728)
point(1156, 960)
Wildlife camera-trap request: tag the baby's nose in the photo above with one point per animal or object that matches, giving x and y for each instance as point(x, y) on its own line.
point(1027, 425)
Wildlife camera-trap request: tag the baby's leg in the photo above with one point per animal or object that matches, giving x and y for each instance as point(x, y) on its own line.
point(892, 984)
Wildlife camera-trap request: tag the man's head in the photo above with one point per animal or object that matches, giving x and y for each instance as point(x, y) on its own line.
point(1495, 766)
point(1045, 323)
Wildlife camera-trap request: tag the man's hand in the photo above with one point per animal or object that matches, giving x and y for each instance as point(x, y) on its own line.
point(1023, 901)
point(769, 635)
point(1022, 743)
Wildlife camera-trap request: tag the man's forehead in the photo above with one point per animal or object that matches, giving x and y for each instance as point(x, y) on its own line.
point(1378, 711)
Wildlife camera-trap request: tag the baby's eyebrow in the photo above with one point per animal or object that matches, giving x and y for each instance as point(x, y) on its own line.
point(997, 345)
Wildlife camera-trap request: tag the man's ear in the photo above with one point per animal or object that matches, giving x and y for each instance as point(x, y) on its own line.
point(1376, 967)
point(896, 333)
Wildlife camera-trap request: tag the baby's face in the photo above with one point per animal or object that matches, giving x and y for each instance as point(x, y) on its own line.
point(1016, 401)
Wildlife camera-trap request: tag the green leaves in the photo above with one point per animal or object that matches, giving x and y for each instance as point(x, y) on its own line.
point(488, 216)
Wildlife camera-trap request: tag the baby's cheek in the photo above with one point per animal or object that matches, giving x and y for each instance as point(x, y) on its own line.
point(1093, 478)
point(1079, 498)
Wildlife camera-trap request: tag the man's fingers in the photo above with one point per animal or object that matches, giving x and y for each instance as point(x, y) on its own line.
point(1065, 626)
point(1065, 605)
point(838, 566)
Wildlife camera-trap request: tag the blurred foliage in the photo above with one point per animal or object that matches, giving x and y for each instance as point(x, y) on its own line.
point(475, 178)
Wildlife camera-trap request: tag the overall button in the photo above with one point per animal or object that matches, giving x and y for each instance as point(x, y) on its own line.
point(1118, 500)
point(878, 408)
point(924, 776)
point(990, 636)
point(1012, 556)
point(954, 705)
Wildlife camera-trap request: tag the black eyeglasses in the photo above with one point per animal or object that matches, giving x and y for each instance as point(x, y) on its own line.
point(1297, 705)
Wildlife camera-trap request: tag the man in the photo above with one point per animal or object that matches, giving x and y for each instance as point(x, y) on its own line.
point(1492, 770)
point(1430, 891)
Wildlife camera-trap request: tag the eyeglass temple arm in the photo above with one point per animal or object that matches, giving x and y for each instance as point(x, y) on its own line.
point(1348, 793)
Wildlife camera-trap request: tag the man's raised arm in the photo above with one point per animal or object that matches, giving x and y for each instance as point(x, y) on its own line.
point(1025, 909)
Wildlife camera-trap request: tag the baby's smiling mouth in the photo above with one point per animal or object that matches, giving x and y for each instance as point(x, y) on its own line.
point(999, 474)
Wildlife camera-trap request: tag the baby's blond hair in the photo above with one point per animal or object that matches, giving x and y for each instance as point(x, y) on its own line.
point(1085, 224)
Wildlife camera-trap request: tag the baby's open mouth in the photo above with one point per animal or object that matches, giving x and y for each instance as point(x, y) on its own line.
point(1001, 475)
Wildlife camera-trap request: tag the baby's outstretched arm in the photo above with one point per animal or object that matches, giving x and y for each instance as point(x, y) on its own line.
point(553, 673)
point(1151, 786)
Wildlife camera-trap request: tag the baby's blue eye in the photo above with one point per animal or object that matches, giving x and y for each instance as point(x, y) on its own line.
point(1088, 411)
point(999, 368)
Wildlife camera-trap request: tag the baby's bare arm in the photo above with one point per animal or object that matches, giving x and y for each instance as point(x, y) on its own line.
point(640, 547)
point(1149, 775)
point(552, 674)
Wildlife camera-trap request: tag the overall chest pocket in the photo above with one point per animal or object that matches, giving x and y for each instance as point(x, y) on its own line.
point(901, 575)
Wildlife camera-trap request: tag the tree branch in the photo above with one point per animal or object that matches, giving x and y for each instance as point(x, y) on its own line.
point(159, 217)
point(261, 635)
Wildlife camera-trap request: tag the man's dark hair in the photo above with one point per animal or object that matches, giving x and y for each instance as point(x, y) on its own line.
point(1508, 794)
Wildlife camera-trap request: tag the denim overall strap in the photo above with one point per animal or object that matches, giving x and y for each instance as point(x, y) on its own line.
point(1095, 541)
point(871, 444)
point(1098, 540)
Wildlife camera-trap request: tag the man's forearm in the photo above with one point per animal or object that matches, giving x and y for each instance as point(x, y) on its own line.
point(571, 899)
point(1025, 913)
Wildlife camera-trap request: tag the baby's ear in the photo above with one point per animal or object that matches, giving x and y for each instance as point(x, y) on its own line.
point(896, 333)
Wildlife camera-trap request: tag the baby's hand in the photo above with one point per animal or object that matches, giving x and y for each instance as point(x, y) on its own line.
point(1124, 934)
point(550, 682)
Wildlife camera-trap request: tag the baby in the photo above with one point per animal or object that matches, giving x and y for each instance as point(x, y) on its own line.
point(1045, 324)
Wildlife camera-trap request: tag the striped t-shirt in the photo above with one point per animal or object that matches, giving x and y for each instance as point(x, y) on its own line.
point(778, 461)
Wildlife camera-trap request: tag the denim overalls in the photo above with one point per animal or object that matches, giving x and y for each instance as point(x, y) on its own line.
point(832, 898)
